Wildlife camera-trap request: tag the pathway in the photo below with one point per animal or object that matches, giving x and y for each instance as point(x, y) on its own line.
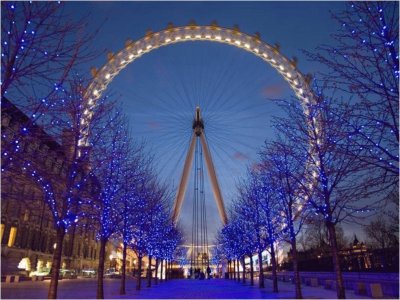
point(172, 289)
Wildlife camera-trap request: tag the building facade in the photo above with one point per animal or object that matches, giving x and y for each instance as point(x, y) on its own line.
point(27, 227)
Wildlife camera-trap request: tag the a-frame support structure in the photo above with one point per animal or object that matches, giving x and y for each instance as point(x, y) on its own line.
point(198, 132)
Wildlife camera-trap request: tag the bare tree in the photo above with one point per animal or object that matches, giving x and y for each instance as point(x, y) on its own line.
point(40, 46)
point(157, 221)
point(111, 158)
point(315, 236)
point(261, 210)
point(283, 168)
point(135, 170)
point(153, 233)
point(337, 186)
point(231, 240)
point(363, 62)
point(380, 234)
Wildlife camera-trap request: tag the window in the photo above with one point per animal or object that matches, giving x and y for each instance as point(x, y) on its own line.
point(13, 234)
point(2, 230)
point(25, 264)
point(26, 215)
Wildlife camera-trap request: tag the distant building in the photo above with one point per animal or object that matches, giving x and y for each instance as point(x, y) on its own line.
point(356, 258)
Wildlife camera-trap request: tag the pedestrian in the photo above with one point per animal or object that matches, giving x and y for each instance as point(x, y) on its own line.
point(208, 272)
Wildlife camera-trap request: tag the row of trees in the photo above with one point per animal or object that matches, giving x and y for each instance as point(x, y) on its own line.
point(335, 159)
point(110, 185)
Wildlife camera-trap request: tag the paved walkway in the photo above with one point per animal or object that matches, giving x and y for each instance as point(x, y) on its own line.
point(172, 289)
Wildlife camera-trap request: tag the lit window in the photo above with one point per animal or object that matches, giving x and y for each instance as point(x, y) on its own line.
point(2, 231)
point(25, 264)
point(13, 234)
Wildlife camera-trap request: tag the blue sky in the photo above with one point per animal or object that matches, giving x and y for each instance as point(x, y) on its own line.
point(159, 91)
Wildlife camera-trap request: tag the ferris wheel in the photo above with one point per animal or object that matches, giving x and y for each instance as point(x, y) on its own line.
point(202, 66)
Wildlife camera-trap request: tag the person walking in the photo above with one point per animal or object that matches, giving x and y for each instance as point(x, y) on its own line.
point(208, 272)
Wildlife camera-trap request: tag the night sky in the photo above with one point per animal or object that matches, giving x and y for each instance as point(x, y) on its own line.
point(159, 91)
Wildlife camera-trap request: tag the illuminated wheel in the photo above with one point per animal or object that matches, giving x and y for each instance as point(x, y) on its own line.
point(226, 82)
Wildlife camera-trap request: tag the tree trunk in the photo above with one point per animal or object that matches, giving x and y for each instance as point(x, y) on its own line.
point(156, 275)
point(162, 270)
point(260, 266)
point(100, 270)
point(244, 270)
point(122, 289)
point(234, 269)
point(229, 269)
point(251, 270)
point(169, 269)
point(238, 269)
point(336, 263)
point(166, 270)
point(149, 272)
point(139, 275)
point(296, 273)
point(55, 265)
point(274, 275)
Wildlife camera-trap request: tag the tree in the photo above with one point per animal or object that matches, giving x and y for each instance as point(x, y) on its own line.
point(158, 224)
point(111, 156)
point(315, 236)
point(243, 233)
point(380, 234)
point(153, 234)
point(363, 63)
point(336, 185)
point(167, 247)
point(137, 166)
point(40, 46)
point(259, 208)
point(68, 188)
point(283, 169)
point(231, 241)
point(392, 211)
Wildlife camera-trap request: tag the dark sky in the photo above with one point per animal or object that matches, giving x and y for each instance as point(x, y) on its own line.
point(159, 91)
